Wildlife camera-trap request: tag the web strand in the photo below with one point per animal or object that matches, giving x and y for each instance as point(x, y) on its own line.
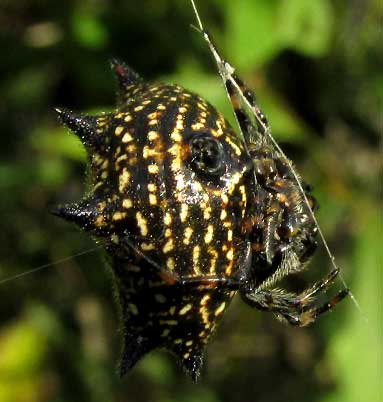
point(41, 267)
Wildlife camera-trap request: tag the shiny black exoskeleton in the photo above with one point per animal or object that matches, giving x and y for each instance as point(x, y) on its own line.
point(189, 213)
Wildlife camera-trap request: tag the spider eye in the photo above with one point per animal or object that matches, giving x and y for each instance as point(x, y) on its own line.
point(207, 155)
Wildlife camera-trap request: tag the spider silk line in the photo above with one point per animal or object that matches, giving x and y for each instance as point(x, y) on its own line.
point(41, 267)
point(223, 67)
point(321, 235)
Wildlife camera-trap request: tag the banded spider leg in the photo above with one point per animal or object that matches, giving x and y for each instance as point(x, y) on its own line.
point(296, 309)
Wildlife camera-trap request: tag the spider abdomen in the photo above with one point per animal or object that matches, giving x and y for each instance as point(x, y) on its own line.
point(169, 186)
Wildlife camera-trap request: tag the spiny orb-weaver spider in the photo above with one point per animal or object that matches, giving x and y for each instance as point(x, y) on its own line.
point(190, 213)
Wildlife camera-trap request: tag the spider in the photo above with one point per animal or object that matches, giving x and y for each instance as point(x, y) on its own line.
point(190, 213)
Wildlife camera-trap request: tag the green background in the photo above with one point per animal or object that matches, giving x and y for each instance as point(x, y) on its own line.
point(316, 67)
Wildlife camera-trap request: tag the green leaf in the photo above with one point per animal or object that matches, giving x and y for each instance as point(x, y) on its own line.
point(306, 25)
point(88, 30)
point(22, 350)
point(157, 367)
point(58, 141)
point(251, 37)
point(356, 350)
point(284, 124)
point(28, 87)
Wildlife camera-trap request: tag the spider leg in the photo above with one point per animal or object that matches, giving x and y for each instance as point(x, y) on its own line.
point(242, 117)
point(235, 87)
point(320, 286)
point(307, 317)
point(272, 217)
point(296, 309)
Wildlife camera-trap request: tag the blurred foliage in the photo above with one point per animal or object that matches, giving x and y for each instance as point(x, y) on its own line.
point(316, 67)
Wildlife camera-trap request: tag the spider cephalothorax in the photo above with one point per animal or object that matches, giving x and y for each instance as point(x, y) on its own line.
point(282, 232)
point(189, 213)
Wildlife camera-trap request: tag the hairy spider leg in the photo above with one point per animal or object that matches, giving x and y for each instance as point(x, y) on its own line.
point(296, 309)
point(307, 317)
point(320, 286)
point(239, 91)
